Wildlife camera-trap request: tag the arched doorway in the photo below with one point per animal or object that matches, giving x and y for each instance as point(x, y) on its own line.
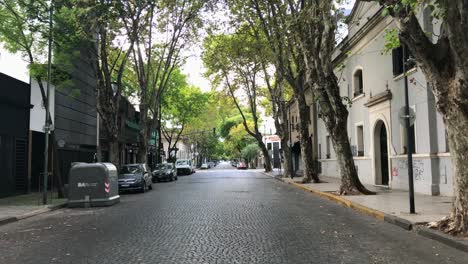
point(381, 154)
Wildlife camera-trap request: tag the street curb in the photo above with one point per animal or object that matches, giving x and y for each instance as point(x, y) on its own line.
point(403, 223)
point(442, 238)
point(7, 220)
point(357, 207)
point(11, 219)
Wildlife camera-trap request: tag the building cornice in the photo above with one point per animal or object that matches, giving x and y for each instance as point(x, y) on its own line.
point(349, 42)
point(379, 98)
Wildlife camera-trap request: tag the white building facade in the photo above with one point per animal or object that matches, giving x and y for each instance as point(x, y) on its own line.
point(374, 82)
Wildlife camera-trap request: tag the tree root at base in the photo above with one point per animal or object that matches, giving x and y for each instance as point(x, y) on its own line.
point(452, 225)
point(355, 191)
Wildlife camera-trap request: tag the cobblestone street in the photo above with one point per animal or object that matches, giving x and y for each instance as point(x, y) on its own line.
point(217, 216)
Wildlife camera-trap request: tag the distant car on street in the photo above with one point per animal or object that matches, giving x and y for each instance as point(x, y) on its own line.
point(204, 166)
point(165, 172)
point(135, 177)
point(184, 167)
point(211, 164)
point(234, 163)
point(241, 166)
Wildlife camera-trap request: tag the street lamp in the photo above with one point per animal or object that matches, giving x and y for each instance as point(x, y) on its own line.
point(291, 164)
point(408, 136)
point(48, 121)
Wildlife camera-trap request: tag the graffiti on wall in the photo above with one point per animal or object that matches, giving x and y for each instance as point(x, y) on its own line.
point(402, 164)
point(418, 169)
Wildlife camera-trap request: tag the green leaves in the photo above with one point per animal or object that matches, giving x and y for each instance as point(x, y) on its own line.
point(403, 8)
point(250, 152)
point(183, 103)
point(392, 41)
point(22, 27)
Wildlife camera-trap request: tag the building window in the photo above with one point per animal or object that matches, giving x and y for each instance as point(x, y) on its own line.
point(328, 154)
point(397, 60)
point(360, 141)
point(269, 146)
point(358, 83)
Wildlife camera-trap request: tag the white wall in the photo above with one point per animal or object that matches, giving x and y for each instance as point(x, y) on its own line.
point(37, 117)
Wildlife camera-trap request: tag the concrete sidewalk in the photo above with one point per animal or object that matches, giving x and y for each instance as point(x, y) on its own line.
point(391, 202)
point(388, 201)
point(19, 207)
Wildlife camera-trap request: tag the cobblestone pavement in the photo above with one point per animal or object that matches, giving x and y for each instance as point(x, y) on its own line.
point(217, 216)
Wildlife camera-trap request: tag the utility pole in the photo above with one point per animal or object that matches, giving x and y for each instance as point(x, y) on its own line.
point(291, 165)
point(409, 137)
point(47, 108)
point(159, 130)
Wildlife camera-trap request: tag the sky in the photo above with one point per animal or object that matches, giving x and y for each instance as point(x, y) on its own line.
point(194, 69)
point(13, 65)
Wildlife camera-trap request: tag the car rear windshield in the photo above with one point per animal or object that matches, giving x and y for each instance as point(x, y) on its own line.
point(161, 167)
point(182, 162)
point(132, 169)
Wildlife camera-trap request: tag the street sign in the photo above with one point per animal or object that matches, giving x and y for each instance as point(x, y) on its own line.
point(402, 116)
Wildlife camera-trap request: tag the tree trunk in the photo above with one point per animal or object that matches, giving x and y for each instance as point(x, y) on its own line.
point(266, 157)
point(142, 155)
point(280, 114)
point(159, 143)
point(310, 172)
point(287, 158)
point(350, 183)
point(114, 153)
point(335, 116)
point(457, 222)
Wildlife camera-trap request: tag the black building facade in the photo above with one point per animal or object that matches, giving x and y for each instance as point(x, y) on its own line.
point(75, 126)
point(14, 127)
point(74, 134)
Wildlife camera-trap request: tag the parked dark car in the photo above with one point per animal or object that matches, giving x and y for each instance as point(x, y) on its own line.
point(135, 177)
point(165, 172)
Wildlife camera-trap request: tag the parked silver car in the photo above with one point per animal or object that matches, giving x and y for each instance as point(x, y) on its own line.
point(135, 177)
